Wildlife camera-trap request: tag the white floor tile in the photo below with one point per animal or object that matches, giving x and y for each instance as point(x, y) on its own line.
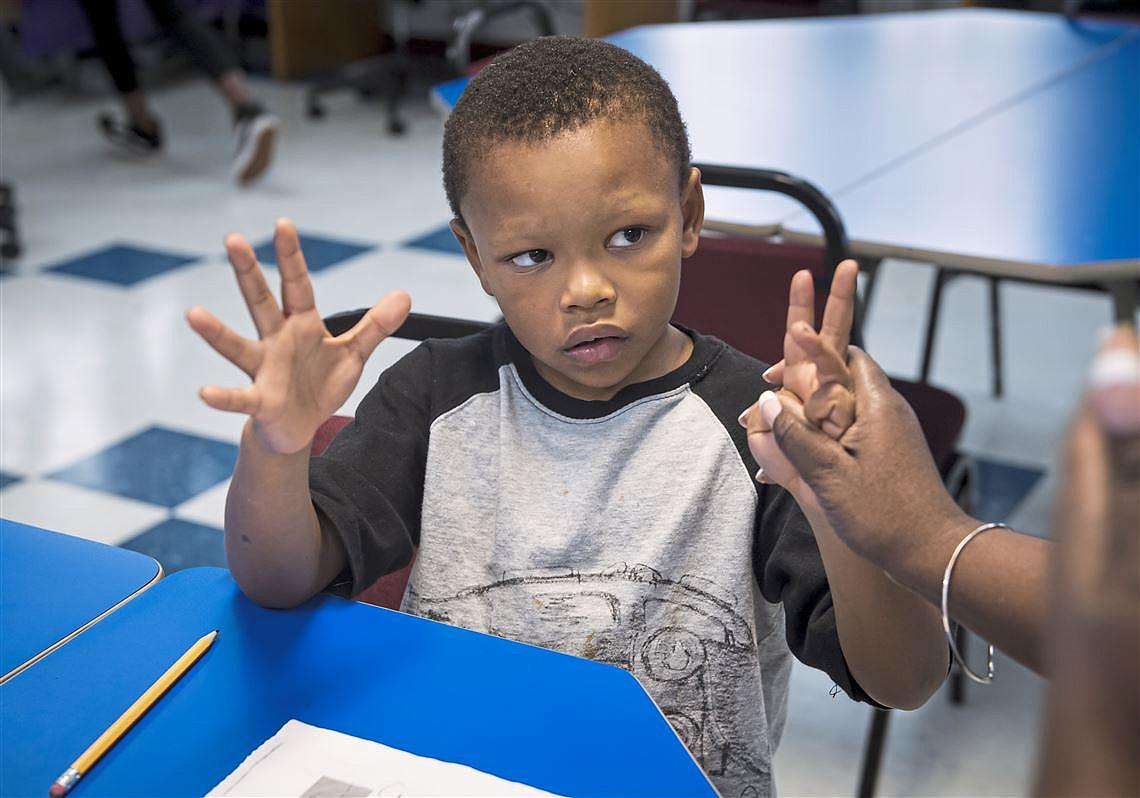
point(78, 511)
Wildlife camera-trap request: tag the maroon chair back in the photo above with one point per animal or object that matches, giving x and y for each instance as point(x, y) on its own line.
point(387, 591)
point(736, 288)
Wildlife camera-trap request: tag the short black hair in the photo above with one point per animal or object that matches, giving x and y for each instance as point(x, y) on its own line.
point(555, 85)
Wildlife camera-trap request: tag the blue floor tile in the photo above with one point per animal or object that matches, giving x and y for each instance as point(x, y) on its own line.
point(7, 479)
point(1000, 488)
point(157, 465)
point(441, 240)
point(320, 253)
point(123, 264)
point(179, 544)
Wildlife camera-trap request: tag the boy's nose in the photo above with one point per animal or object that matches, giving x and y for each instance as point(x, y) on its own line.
point(587, 287)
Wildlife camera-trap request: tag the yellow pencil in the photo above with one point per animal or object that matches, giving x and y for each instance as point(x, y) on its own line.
point(135, 711)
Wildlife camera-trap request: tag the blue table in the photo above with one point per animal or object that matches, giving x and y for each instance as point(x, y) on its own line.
point(560, 723)
point(54, 586)
point(981, 140)
point(1047, 189)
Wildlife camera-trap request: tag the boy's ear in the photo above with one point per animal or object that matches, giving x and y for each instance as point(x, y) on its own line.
point(467, 241)
point(693, 212)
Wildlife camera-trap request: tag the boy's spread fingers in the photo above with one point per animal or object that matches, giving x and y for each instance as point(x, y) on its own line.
point(296, 288)
point(231, 400)
point(801, 307)
point(839, 312)
point(254, 289)
point(242, 352)
point(381, 320)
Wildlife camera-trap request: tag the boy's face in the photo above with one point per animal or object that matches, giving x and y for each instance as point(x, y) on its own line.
point(580, 241)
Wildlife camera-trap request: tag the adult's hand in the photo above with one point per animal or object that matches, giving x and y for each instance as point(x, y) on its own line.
point(877, 484)
point(1093, 651)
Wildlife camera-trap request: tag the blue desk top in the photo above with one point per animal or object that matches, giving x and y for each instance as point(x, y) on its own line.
point(560, 723)
point(1046, 184)
point(51, 585)
point(836, 99)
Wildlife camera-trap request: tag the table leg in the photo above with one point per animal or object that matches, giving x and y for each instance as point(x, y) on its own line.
point(932, 323)
point(873, 754)
point(1125, 298)
point(995, 335)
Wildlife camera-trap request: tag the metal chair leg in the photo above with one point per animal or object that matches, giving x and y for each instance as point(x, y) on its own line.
point(957, 677)
point(995, 335)
point(873, 753)
point(932, 324)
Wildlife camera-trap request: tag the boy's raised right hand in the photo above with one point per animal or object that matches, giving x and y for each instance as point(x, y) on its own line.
point(301, 373)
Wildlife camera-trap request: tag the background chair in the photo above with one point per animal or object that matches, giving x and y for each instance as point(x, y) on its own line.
point(390, 74)
point(736, 288)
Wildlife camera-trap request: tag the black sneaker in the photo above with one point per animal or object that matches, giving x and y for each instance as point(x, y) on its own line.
point(128, 137)
point(255, 130)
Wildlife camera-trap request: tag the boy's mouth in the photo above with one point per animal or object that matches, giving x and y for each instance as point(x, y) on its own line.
point(595, 344)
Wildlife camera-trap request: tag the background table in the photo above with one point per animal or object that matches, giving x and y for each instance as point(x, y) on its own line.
point(560, 723)
point(53, 586)
point(982, 140)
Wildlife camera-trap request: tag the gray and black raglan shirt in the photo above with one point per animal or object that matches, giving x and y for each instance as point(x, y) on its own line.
point(628, 531)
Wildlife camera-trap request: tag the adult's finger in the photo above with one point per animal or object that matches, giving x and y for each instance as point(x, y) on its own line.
point(242, 352)
point(801, 308)
point(808, 449)
point(232, 400)
point(296, 288)
point(774, 374)
point(381, 320)
point(839, 312)
point(870, 381)
point(251, 282)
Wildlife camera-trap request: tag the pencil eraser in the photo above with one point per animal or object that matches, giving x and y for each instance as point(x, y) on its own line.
point(57, 791)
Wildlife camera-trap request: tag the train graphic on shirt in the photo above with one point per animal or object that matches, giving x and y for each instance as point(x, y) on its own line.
point(683, 639)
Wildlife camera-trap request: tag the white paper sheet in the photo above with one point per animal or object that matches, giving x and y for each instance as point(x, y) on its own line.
point(310, 762)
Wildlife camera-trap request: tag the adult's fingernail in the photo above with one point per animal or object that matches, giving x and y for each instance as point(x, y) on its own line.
point(767, 375)
point(770, 407)
point(742, 419)
point(1113, 367)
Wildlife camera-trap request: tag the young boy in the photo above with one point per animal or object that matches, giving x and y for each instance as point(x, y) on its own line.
point(576, 477)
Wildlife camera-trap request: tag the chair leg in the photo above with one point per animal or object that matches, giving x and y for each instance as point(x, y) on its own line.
point(957, 677)
point(995, 335)
point(932, 324)
point(873, 753)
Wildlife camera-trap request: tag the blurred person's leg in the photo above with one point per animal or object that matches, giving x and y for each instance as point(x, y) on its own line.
point(254, 128)
point(140, 131)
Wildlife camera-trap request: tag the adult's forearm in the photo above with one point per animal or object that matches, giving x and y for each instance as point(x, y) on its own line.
point(999, 586)
point(275, 547)
point(891, 638)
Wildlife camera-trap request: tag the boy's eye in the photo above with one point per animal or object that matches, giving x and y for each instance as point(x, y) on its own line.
point(626, 237)
point(532, 257)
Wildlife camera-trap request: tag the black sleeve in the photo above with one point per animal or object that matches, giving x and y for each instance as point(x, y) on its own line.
point(368, 485)
point(789, 570)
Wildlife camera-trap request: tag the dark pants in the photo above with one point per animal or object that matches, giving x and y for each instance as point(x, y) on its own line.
point(205, 47)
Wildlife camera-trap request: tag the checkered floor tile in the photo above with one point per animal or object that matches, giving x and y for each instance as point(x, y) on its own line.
point(159, 466)
point(320, 253)
point(123, 264)
point(179, 544)
point(441, 240)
